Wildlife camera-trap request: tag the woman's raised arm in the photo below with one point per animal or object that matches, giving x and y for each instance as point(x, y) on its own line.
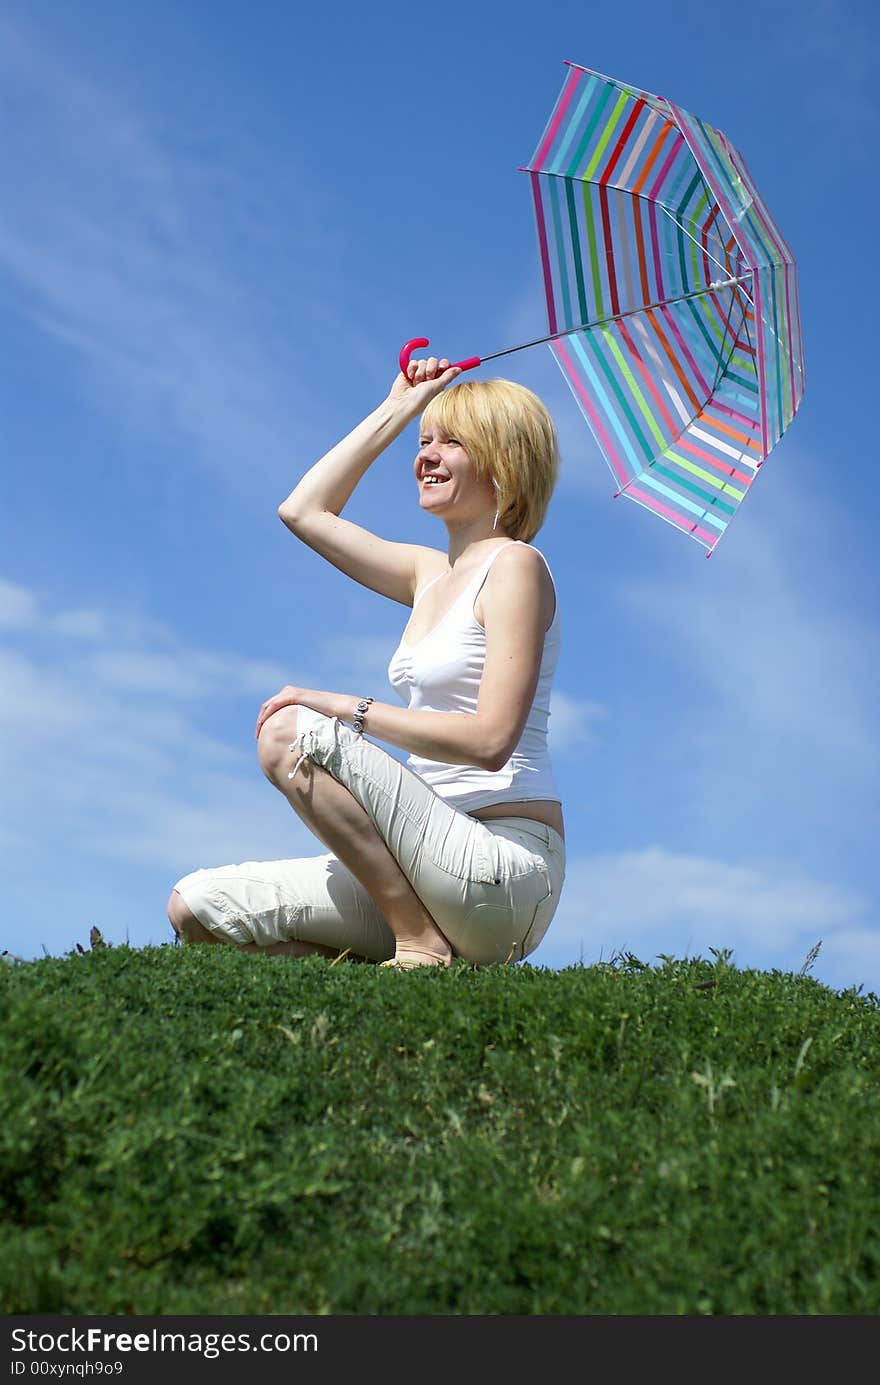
point(312, 509)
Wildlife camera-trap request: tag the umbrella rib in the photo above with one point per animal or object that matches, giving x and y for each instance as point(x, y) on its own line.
point(681, 226)
point(616, 317)
point(657, 103)
point(638, 196)
point(754, 350)
point(718, 370)
point(707, 400)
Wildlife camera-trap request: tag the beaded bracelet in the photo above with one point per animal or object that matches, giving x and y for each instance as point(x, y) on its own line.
point(359, 715)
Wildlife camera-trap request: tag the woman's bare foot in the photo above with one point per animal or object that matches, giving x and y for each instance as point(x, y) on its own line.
point(407, 959)
point(419, 942)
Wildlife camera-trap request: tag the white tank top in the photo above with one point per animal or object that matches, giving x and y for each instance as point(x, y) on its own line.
point(441, 673)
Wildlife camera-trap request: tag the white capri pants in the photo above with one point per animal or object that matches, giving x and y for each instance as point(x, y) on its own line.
point(491, 887)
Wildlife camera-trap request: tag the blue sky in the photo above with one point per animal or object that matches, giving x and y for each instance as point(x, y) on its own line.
point(220, 222)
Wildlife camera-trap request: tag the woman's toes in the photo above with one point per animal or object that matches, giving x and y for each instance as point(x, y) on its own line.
point(408, 960)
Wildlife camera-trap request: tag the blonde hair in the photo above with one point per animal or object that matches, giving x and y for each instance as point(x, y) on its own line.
point(510, 437)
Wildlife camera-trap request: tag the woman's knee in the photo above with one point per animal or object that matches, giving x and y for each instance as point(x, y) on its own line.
point(184, 921)
point(277, 736)
point(176, 912)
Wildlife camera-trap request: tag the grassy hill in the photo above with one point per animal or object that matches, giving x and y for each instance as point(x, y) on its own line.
point(194, 1130)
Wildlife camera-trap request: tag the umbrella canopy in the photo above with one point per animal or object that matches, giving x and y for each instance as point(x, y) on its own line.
point(654, 238)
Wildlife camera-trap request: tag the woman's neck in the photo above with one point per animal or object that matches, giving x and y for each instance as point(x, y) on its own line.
point(463, 542)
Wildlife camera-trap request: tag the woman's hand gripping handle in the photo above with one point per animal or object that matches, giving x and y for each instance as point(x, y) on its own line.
point(420, 381)
point(417, 342)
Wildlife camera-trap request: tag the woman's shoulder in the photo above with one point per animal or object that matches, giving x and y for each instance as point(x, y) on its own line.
point(521, 563)
point(524, 557)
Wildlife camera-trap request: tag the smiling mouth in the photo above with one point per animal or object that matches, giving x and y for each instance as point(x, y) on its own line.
point(433, 481)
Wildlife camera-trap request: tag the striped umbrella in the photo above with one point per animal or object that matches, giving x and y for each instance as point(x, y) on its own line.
point(671, 297)
point(652, 232)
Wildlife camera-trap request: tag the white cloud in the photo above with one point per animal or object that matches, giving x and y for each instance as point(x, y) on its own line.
point(573, 723)
point(18, 607)
point(123, 750)
point(185, 675)
point(774, 664)
point(652, 902)
point(843, 946)
point(360, 660)
point(182, 825)
point(84, 624)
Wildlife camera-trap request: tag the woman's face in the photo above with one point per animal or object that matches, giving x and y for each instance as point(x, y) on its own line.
point(447, 477)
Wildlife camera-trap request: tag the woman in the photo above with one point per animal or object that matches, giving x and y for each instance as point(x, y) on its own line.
point(459, 853)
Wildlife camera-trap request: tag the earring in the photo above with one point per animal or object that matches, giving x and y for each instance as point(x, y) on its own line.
point(495, 522)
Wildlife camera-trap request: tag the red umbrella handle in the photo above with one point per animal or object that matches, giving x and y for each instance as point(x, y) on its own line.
point(411, 346)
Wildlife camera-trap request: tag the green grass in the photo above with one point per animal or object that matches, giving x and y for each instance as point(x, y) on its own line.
point(195, 1130)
